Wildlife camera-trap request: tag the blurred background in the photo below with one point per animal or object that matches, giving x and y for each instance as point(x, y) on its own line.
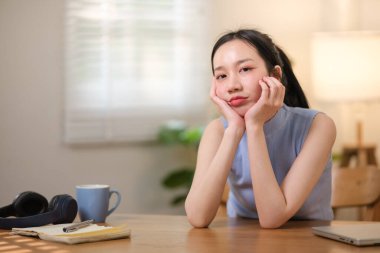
point(86, 88)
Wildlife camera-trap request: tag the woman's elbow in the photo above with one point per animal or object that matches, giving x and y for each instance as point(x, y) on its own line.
point(269, 223)
point(196, 219)
point(198, 222)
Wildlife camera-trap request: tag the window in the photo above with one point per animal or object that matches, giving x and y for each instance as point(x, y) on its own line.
point(131, 65)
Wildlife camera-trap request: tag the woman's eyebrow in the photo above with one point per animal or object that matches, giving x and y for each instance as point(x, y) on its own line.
point(244, 60)
point(237, 63)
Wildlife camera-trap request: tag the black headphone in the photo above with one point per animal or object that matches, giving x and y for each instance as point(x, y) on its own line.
point(31, 209)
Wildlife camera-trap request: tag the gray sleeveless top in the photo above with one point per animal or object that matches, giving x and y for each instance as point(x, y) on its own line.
point(285, 134)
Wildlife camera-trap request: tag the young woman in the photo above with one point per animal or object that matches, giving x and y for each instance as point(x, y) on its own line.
point(274, 151)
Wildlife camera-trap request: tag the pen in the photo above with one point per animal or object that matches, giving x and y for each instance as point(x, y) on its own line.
point(77, 226)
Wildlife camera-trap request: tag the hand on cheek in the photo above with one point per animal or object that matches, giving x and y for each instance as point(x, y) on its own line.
point(271, 99)
point(214, 95)
point(225, 109)
point(276, 92)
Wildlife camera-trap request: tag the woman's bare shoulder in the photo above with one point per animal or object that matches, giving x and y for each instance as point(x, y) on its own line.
point(215, 127)
point(324, 121)
point(213, 132)
point(324, 125)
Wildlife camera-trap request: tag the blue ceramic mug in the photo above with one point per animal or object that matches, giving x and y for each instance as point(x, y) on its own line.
point(93, 201)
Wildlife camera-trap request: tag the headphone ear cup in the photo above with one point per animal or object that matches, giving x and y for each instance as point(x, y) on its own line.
point(64, 209)
point(29, 203)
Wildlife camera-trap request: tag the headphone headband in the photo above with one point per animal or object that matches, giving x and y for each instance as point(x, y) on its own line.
point(62, 209)
point(25, 204)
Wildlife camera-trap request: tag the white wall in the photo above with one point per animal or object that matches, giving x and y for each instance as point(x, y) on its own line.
point(32, 154)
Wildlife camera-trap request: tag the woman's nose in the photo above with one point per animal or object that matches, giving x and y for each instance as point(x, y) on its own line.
point(234, 84)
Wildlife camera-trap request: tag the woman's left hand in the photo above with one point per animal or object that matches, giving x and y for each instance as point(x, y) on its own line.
point(270, 101)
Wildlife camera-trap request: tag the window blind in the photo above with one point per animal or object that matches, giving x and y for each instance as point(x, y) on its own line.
point(132, 65)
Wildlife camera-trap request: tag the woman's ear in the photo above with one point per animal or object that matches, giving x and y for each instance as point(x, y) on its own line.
point(277, 72)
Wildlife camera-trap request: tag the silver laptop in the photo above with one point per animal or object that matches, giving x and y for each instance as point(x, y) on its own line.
point(357, 234)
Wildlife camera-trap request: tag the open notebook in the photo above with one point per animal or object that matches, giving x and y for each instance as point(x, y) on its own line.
point(357, 234)
point(91, 233)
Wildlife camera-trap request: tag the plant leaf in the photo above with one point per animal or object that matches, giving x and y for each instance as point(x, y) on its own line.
point(191, 136)
point(179, 178)
point(169, 136)
point(170, 132)
point(178, 199)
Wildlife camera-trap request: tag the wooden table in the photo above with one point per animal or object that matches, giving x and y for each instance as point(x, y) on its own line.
point(158, 233)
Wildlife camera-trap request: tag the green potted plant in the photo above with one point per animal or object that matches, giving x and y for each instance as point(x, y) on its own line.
point(177, 133)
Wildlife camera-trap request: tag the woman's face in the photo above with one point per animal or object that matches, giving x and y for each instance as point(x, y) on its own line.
point(238, 67)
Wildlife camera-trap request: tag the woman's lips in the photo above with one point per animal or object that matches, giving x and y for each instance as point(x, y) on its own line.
point(237, 101)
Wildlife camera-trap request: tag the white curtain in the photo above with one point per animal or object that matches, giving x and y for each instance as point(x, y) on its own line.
point(132, 65)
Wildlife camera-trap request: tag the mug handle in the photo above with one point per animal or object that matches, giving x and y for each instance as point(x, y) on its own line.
point(117, 201)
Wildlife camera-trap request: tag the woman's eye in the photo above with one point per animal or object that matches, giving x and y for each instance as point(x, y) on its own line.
point(245, 69)
point(222, 76)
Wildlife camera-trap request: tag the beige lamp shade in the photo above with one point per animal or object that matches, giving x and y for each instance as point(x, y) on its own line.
point(346, 66)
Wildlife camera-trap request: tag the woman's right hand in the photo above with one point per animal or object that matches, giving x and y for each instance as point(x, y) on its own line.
point(233, 119)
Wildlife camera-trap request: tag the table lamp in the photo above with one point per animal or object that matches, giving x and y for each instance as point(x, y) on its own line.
point(346, 69)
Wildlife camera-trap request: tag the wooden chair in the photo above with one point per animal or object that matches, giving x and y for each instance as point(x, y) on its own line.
point(359, 187)
point(350, 188)
point(365, 155)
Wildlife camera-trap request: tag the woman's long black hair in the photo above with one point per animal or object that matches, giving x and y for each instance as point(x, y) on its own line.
point(272, 55)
